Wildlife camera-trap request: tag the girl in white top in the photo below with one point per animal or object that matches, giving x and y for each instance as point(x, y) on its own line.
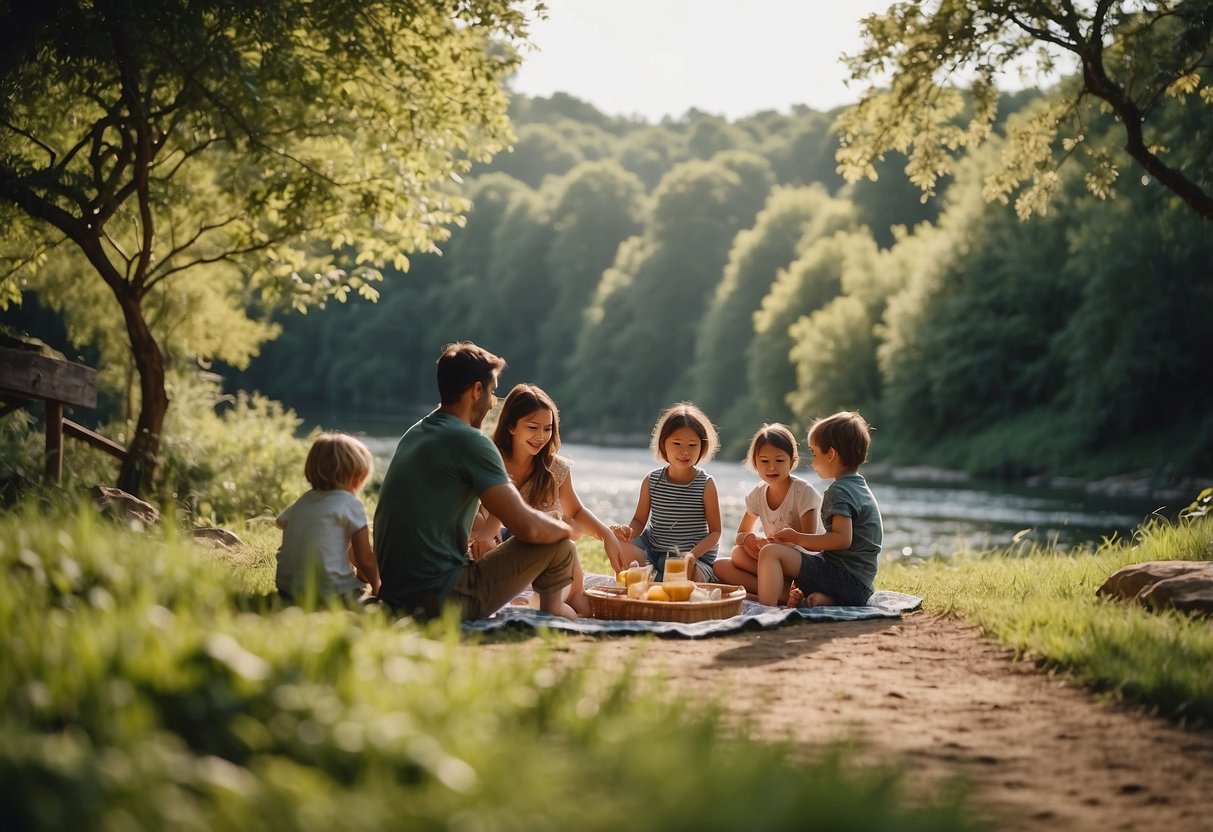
point(326, 546)
point(780, 501)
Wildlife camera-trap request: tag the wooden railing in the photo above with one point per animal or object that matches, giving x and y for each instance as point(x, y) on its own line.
point(27, 377)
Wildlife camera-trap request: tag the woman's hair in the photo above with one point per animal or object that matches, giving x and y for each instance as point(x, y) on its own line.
point(337, 460)
point(777, 436)
point(522, 401)
point(461, 365)
point(846, 432)
point(684, 415)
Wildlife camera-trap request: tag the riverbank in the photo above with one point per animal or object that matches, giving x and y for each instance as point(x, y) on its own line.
point(1141, 484)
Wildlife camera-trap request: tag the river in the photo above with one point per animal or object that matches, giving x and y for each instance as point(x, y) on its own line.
point(920, 519)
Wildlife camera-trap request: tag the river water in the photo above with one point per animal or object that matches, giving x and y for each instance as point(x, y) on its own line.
point(920, 519)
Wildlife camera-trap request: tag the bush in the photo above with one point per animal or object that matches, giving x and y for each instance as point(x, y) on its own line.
point(224, 458)
point(137, 695)
point(230, 457)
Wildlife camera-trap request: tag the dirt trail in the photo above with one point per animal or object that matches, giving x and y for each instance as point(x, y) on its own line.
point(1040, 752)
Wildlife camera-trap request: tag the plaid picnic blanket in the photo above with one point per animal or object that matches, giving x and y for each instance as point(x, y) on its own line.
point(883, 604)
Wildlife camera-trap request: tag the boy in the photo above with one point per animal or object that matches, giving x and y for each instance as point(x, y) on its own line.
point(841, 567)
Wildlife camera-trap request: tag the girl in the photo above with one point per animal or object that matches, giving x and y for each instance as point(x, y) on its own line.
point(779, 501)
point(528, 436)
point(678, 511)
point(324, 532)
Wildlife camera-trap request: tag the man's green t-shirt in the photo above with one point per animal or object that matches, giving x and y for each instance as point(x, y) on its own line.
point(427, 503)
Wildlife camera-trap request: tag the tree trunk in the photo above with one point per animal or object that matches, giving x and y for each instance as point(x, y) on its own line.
point(143, 452)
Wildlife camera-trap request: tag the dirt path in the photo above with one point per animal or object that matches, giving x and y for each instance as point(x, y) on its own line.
point(1040, 752)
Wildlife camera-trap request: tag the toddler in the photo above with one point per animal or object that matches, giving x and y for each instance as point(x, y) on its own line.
point(324, 533)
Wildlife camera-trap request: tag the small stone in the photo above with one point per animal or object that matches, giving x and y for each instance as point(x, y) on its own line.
point(118, 504)
point(218, 538)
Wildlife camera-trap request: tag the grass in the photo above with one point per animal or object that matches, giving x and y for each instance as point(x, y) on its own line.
point(141, 690)
point(1043, 605)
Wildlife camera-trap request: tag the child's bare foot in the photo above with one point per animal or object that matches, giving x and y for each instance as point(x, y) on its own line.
point(819, 599)
point(795, 596)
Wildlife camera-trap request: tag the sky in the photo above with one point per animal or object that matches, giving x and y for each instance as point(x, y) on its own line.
point(655, 58)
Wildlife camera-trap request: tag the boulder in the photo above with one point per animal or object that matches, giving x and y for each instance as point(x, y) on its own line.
point(1187, 593)
point(218, 538)
point(1183, 584)
point(116, 503)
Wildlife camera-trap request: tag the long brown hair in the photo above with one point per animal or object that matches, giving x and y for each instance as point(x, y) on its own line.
point(522, 401)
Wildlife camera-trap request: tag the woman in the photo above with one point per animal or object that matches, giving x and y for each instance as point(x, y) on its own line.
point(528, 436)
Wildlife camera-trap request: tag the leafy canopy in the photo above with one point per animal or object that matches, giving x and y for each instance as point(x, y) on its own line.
point(267, 134)
point(1134, 58)
point(251, 146)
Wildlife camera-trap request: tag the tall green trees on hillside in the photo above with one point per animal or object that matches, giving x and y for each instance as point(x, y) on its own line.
point(808, 283)
point(152, 148)
point(1136, 58)
point(637, 349)
point(755, 259)
point(539, 151)
point(599, 207)
point(834, 347)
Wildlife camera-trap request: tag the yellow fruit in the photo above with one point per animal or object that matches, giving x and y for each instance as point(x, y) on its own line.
point(679, 591)
point(637, 574)
point(621, 578)
point(656, 593)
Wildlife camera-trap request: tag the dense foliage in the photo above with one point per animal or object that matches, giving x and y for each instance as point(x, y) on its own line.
point(164, 166)
point(722, 272)
point(1142, 61)
point(624, 265)
point(138, 695)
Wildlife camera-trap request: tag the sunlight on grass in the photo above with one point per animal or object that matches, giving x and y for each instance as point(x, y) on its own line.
point(144, 689)
point(1043, 604)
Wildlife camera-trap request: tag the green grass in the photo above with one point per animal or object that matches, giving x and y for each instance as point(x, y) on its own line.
point(142, 690)
point(1043, 604)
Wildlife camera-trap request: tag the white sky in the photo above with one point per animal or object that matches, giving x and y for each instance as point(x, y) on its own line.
point(654, 58)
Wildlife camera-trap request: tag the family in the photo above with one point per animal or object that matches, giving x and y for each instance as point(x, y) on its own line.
point(469, 523)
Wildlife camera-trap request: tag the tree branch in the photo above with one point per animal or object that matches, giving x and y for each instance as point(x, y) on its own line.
point(1096, 79)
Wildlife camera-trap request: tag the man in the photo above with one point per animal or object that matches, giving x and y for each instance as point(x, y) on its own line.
point(443, 468)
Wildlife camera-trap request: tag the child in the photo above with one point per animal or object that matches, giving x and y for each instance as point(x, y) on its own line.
point(324, 532)
point(844, 571)
point(678, 511)
point(780, 501)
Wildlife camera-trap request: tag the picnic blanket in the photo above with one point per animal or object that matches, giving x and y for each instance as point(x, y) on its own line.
point(882, 604)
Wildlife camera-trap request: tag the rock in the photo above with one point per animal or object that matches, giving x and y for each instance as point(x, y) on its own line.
point(1187, 593)
point(116, 503)
point(218, 538)
point(1183, 584)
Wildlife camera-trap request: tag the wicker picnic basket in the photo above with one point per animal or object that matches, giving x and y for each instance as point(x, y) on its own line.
point(613, 603)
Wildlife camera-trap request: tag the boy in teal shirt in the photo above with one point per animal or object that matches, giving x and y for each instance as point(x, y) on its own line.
point(841, 567)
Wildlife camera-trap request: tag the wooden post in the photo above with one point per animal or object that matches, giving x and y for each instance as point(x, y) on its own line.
point(27, 376)
point(54, 441)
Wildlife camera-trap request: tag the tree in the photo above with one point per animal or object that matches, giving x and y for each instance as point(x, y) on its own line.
point(152, 147)
point(1135, 58)
point(969, 339)
point(756, 256)
point(811, 281)
point(598, 208)
point(637, 349)
point(539, 152)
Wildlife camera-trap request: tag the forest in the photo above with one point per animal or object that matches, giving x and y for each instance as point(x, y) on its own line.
point(624, 265)
point(1009, 284)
